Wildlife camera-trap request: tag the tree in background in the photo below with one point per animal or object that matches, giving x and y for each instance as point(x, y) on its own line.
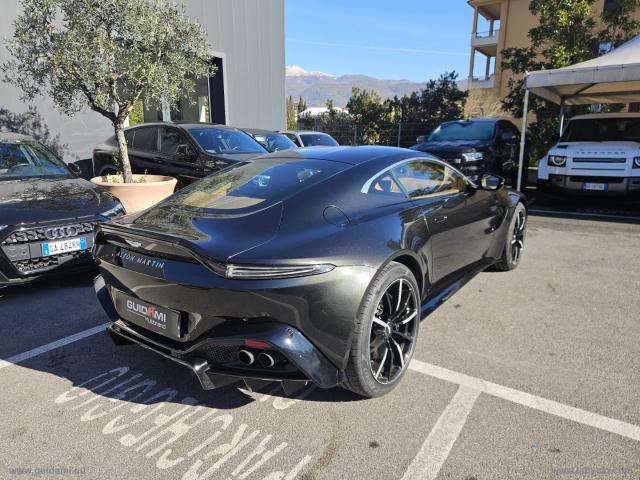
point(292, 114)
point(31, 123)
point(107, 55)
point(302, 105)
point(566, 34)
point(369, 113)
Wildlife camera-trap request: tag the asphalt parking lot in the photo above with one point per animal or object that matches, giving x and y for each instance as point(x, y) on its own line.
point(533, 374)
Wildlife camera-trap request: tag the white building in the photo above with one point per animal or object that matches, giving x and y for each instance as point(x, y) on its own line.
point(248, 90)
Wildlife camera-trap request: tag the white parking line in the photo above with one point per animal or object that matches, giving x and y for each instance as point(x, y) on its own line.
point(21, 357)
point(435, 449)
point(528, 400)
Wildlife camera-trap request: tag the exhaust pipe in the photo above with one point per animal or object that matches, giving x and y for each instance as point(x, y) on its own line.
point(246, 357)
point(266, 360)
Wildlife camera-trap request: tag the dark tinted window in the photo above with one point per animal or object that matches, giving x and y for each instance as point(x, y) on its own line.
point(422, 178)
point(128, 136)
point(24, 160)
point(225, 141)
point(317, 140)
point(145, 139)
point(255, 185)
point(274, 141)
point(170, 138)
point(603, 130)
point(293, 138)
point(463, 131)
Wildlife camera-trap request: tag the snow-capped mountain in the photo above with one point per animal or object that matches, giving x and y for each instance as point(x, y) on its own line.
point(317, 87)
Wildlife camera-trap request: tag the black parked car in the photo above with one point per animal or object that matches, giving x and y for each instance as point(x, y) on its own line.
point(187, 151)
point(315, 264)
point(47, 213)
point(272, 141)
point(476, 146)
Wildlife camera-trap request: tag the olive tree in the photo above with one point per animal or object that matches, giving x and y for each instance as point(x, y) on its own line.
point(107, 55)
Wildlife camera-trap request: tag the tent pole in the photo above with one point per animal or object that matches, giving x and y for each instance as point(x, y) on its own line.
point(561, 116)
point(523, 137)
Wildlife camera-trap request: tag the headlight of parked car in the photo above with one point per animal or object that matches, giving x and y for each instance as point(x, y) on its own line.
point(473, 156)
point(114, 211)
point(557, 160)
point(636, 164)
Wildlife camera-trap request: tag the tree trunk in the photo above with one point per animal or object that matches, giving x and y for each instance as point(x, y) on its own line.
point(123, 151)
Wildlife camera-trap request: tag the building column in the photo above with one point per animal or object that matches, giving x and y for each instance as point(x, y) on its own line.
point(488, 68)
point(471, 63)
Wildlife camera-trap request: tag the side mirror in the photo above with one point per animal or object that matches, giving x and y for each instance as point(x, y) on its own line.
point(184, 150)
point(75, 168)
point(491, 182)
point(509, 137)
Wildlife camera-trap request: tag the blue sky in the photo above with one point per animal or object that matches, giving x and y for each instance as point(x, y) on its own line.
point(403, 39)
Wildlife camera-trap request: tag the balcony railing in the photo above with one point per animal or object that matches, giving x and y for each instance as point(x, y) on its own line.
point(493, 34)
point(481, 82)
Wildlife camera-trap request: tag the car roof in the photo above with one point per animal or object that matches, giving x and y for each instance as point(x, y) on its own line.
point(606, 115)
point(303, 131)
point(184, 124)
point(476, 120)
point(258, 131)
point(351, 155)
point(9, 137)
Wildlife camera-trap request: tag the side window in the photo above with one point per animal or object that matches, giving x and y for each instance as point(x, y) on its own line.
point(170, 138)
point(423, 178)
point(293, 138)
point(385, 184)
point(128, 136)
point(144, 139)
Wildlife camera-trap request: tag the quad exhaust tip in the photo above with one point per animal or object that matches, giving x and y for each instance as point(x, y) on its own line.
point(246, 357)
point(266, 360)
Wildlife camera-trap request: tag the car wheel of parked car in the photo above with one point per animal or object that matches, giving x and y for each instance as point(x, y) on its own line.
point(385, 332)
point(514, 243)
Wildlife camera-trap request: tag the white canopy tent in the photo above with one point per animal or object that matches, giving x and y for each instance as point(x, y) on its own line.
point(610, 78)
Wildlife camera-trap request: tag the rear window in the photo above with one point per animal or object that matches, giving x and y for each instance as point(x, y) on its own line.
point(145, 139)
point(255, 185)
point(603, 130)
point(317, 140)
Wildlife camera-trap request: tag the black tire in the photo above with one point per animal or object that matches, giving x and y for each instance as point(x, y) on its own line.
point(380, 302)
point(514, 241)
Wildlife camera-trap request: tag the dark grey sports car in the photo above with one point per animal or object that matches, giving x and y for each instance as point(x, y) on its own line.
point(309, 265)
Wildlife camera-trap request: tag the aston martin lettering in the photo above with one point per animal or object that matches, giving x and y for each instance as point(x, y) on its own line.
point(140, 260)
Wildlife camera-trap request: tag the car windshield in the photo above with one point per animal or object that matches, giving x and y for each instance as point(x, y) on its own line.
point(24, 160)
point(462, 131)
point(602, 130)
point(274, 141)
point(225, 141)
point(254, 185)
point(317, 140)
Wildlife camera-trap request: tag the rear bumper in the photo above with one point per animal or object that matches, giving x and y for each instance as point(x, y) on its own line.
point(213, 358)
point(574, 184)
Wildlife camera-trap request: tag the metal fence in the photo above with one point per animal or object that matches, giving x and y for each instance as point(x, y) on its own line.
point(395, 134)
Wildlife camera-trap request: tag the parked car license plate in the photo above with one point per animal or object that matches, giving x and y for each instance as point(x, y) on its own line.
point(594, 186)
point(158, 319)
point(64, 246)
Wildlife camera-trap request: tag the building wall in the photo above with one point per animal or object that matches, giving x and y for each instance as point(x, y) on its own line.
point(515, 23)
point(247, 34)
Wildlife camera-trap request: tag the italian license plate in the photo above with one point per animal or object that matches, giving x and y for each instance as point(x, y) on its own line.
point(601, 187)
point(64, 246)
point(152, 317)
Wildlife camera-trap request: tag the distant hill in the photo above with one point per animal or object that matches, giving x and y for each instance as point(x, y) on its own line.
point(317, 87)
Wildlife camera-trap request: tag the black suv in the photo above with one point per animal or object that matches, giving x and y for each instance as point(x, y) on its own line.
point(476, 146)
point(187, 151)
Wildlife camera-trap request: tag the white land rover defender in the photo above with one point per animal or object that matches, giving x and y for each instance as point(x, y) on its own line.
point(596, 153)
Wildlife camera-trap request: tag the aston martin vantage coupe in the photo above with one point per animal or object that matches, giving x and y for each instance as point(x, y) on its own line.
point(310, 265)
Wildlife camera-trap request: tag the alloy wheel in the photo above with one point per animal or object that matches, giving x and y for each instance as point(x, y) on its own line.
point(517, 239)
point(393, 331)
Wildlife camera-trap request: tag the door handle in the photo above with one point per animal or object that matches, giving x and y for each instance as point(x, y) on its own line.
point(440, 219)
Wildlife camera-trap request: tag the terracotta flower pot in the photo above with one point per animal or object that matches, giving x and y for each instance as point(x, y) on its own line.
point(139, 195)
